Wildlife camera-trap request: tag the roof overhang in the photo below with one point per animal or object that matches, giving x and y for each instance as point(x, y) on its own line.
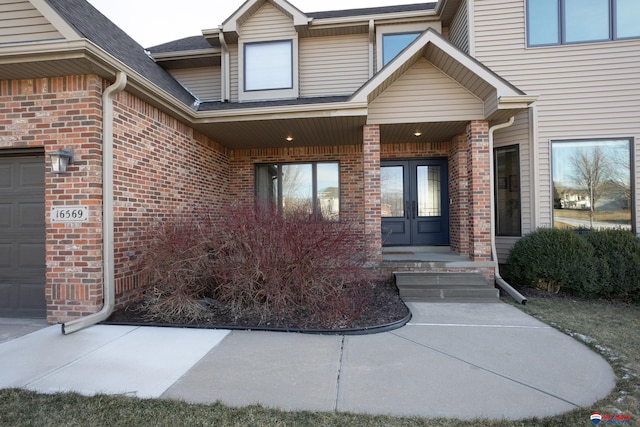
point(500, 97)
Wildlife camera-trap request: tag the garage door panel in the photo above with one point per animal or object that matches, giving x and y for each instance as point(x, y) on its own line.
point(30, 297)
point(6, 215)
point(31, 215)
point(31, 256)
point(30, 176)
point(22, 236)
point(5, 257)
point(6, 176)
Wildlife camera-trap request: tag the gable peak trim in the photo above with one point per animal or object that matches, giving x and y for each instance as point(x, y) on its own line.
point(241, 15)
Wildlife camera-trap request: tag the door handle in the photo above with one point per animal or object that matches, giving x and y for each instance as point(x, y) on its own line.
point(413, 209)
point(406, 209)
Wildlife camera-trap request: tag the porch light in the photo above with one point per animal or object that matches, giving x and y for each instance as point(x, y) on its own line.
point(60, 159)
point(289, 138)
point(417, 133)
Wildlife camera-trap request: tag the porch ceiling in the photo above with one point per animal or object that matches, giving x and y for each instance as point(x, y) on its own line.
point(318, 131)
point(429, 132)
point(322, 132)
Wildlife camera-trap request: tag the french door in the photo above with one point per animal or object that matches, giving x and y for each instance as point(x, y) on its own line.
point(415, 202)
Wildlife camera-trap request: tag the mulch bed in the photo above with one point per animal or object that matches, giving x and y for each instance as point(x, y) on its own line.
point(385, 308)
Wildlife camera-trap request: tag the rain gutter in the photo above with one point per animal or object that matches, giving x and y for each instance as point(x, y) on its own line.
point(499, 280)
point(108, 282)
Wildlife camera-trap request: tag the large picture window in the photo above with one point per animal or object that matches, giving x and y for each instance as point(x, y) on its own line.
point(592, 183)
point(311, 186)
point(268, 66)
point(507, 185)
point(551, 22)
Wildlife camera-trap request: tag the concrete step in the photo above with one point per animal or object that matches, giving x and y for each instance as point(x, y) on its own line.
point(443, 286)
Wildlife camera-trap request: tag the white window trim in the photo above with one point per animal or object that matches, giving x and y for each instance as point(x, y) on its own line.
point(268, 94)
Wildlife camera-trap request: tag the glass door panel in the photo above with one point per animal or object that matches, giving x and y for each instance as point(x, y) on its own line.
point(392, 191)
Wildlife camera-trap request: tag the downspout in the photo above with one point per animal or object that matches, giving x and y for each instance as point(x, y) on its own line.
point(494, 253)
point(108, 282)
point(225, 76)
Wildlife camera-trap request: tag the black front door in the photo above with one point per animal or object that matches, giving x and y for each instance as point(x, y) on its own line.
point(415, 202)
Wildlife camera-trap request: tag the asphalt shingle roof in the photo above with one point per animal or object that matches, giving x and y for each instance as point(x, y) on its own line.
point(181, 45)
point(372, 11)
point(93, 25)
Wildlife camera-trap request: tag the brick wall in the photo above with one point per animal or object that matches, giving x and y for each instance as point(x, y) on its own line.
point(161, 168)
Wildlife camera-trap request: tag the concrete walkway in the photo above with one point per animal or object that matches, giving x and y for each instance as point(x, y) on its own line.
point(452, 360)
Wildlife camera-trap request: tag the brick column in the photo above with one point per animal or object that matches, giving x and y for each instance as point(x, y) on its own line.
point(70, 117)
point(459, 194)
point(372, 203)
point(479, 160)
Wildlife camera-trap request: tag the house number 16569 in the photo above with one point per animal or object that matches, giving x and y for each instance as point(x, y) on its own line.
point(69, 213)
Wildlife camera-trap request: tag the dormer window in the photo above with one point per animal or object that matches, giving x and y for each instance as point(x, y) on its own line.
point(393, 44)
point(268, 65)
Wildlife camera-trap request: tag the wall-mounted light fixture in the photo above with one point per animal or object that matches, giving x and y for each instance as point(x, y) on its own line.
point(60, 159)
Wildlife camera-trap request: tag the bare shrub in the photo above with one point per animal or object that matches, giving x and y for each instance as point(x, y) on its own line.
point(258, 260)
point(176, 262)
point(276, 264)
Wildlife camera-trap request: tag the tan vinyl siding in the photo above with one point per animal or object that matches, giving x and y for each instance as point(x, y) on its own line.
point(587, 90)
point(203, 82)
point(425, 94)
point(21, 22)
point(268, 23)
point(459, 31)
point(234, 69)
point(336, 65)
point(503, 246)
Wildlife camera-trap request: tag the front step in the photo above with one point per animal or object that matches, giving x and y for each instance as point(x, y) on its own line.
point(417, 286)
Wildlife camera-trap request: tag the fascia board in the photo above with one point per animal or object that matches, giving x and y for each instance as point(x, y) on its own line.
point(340, 109)
point(186, 54)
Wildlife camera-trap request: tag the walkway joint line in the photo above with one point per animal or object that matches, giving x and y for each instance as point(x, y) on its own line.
point(335, 404)
point(487, 370)
point(480, 326)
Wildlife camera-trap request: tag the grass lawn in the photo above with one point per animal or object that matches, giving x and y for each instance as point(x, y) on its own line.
point(610, 329)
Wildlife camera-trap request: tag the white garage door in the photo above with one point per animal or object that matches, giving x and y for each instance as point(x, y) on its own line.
point(22, 235)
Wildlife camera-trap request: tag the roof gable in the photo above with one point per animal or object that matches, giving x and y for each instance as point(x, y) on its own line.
point(468, 72)
point(250, 7)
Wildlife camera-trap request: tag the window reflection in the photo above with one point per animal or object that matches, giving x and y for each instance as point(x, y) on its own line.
point(592, 183)
point(311, 187)
point(392, 191)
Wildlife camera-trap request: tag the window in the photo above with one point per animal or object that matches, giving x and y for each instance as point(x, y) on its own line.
point(393, 44)
point(592, 183)
point(551, 22)
point(508, 216)
point(312, 186)
point(268, 66)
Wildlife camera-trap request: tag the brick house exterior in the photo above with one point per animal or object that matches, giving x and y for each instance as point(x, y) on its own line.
point(184, 140)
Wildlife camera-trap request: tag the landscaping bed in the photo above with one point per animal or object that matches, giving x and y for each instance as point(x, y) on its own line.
point(384, 311)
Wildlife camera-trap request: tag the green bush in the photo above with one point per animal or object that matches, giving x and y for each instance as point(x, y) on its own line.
point(588, 263)
point(554, 260)
point(619, 251)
